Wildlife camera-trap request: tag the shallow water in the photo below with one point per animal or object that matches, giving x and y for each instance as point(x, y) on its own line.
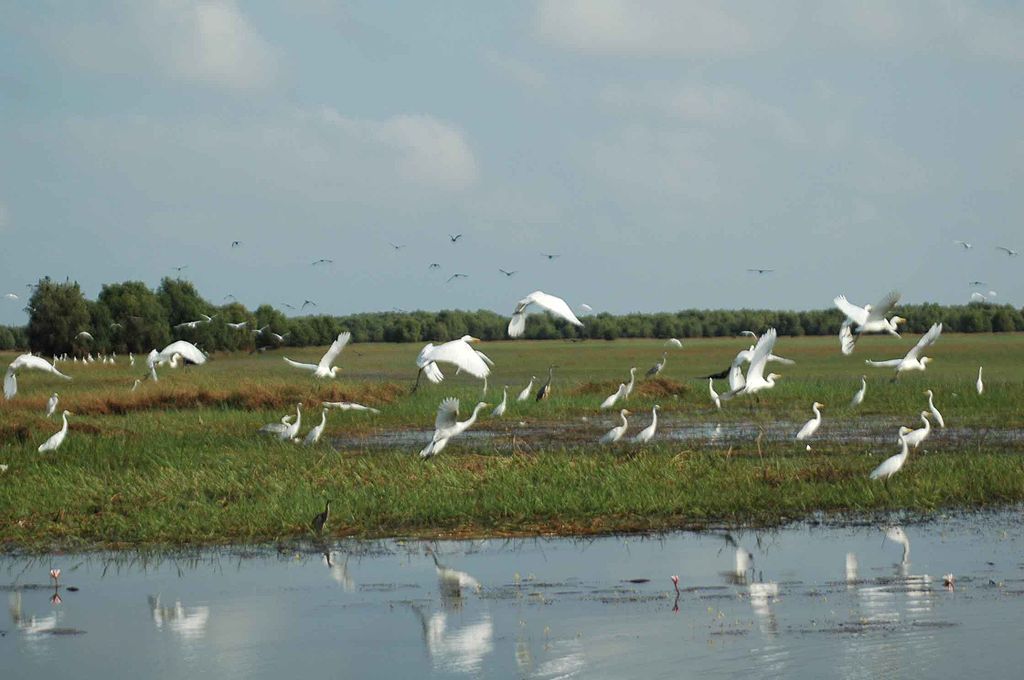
point(543, 608)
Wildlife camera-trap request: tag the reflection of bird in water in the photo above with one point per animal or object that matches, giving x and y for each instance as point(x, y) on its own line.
point(761, 597)
point(744, 565)
point(189, 623)
point(451, 583)
point(462, 649)
point(339, 572)
point(897, 535)
point(32, 625)
point(851, 567)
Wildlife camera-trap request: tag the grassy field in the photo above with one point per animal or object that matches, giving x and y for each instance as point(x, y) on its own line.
point(179, 461)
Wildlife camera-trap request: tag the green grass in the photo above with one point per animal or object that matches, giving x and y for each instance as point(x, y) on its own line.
point(178, 462)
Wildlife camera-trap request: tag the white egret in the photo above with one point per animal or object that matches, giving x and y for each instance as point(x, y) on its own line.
point(10, 296)
point(674, 342)
point(292, 431)
point(51, 404)
point(755, 380)
point(313, 436)
point(174, 354)
point(135, 385)
point(525, 394)
point(647, 434)
point(911, 362)
point(54, 442)
point(84, 335)
point(892, 464)
point(585, 308)
point(499, 410)
point(964, 244)
point(1009, 251)
point(614, 398)
point(456, 352)
point(550, 303)
point(195, 324)
point(915, 437)
point(278, 428)
point(812, 425)
point(658, 367)
point(858, 396)
point(632, 381)
point(349, 406)
point(324, 368)
point(935, 412)
point(615, 434)
point(866, 319)
point(979, 385)
point(751, 334)
point(447, 425)
point(238, 326)
point(131, 359)
point(714, 395)
point(26, 362)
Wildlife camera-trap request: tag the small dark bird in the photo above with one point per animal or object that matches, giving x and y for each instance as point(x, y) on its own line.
point(397, 247)
point(229, 296)
point(545, 390)
point(454, 237)
point(307, 303)
point(760, 271)
point(235, 244)
point(434, 265)
point(716, 376)
point(978, 283)
point(507, 273)
point(323, 260)
point(179, 269)
point(550, 257)
point(320, 521)
point(285, 304)
point(658, 367)
point(457, 276)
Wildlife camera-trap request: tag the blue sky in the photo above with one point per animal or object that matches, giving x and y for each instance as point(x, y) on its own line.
point(660, 148)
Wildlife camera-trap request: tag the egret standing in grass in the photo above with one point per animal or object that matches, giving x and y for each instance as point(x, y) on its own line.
point(632, 382)
point(447, 425)
point(615, 397)
point(858, 396)
point(525, 394)
point(714, 395)
point(915, 437)
point(320, 521)
point(979, 385)
point(935, 412)
point(54, 442)
point(615, 434)
point(499, 410)
point(324, 368)
point(647, 434)
point(51, 404)
point(892, 464)
point(292, 431)
point(26, 362)
point(812, 425)
point(313, 436)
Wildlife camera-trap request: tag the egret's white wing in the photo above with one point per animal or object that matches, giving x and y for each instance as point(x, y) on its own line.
point(762, 350)
point(556, 306)
point(186, 349)
point(447, 414)
point(332, 353)
point(10, 384)
point(462, 355)
point(296, 364)
point(736, 379)
point(846, 339)
point(927, 339)
point(884, 306)
point(349, 406)
point(888, 363)
point(781, 360)
point(433, 373)
point(517, 325)
point(487, 359)
point(856, 314)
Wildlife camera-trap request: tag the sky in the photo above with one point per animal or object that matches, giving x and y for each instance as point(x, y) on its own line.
point(659, 148)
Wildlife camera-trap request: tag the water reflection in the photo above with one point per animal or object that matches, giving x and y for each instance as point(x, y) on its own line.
point(452, 582)
point(189, 623)
point(339, 570)
point(460, 646)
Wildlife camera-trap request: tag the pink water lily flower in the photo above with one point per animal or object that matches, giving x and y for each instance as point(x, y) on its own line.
point(55, 574)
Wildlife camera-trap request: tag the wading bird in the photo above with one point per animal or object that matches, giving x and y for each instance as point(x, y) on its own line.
point(459, 353)
point(658, 367)
point(397, 246)
point(550, 256)
point(447, 425)
point(915, 437)
point(964, 244)
point(235, 244)
point(237, 326)
point(714, 395)
point(499, 410)
point(174, 354)
point(324, 368)
point(647, 434)
point(979, 385)
point(51, 404)
point(858, 396)
point(26, 362)
point(615, 397)
point(320, 521)
point(1009, 251)
point(313, 436)
point(812, 425)
point(556, 305)
point(84, 335)
point(674, 342)
point(912, 362)
point(632, 381)
point(54, 442)
point(525, 394)
point(195, 324)
point(349, 406)
point(866, 319)
point(277, 428)
point(308, 303)
point(545, 390)
point(615, 434)
point(935, 412)
point(892, 464)
point(755, 380)
point(292, 431)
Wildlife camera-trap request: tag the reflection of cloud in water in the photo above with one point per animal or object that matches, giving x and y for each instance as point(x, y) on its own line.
point(339, 571)
point(461, 648)
point(190, 623)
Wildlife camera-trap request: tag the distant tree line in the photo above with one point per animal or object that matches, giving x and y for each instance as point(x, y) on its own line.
point(131, 317)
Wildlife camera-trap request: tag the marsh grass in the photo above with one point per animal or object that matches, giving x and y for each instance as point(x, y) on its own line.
point(178, 461)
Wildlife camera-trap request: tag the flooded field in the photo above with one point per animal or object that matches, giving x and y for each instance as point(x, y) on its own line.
point(804, 601)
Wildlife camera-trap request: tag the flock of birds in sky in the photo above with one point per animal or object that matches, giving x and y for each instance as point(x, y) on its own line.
point(464, 357)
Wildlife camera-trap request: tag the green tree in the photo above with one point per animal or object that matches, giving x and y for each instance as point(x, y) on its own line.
point(58, 312)
point(138, 319)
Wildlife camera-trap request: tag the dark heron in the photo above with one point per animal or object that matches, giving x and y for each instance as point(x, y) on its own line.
point(545, 391)
point(658, 367)
point(320, 521)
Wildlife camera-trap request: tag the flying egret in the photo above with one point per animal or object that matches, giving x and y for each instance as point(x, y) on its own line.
point(585, 308)
point(195, 324)
point(911, 362)
point(614, 398)
point(1008, 251)
point(658, 367)
point(615, 434)
point(237, 326)
point(349, 406)
point(313, 436)
point(51, 404)
point(935, 412)
point(11, 296)
point(714, 395)
point(84, 335)
point(545, 390)
point(964, 244)
point(447, 425)
point(550, 303)
point(755, 380)
point(174, 354)
point(632, 381)
point(525, 394)
point(499, 410)
point(812, 425)
point(858, 396)
point(459, 352)
point(866, 319)
point(915, 437)
point(979, 385)
point(324, 368)
point(892, 464)
point(674, 342)
point(292, 431)
point(26, 362)
point(54, 442)
point(647, 434)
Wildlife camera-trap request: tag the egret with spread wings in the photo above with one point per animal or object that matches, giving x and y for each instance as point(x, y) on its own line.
point(913, 361)
point(459, 352)
point(447, 425)
point(26, 362)
point(549, 303)
point(866, 319)
point(324, 369)
point(755, 380)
